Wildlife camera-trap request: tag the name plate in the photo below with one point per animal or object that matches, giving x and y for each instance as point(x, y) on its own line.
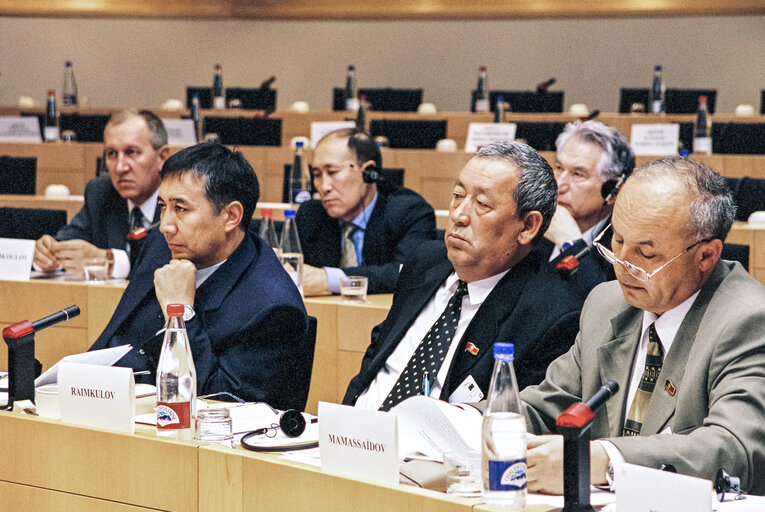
point(481, 134)
point(97, 396)
point(16, 258)
point(655, 139)
point(320, 128)
point(358, 443)
point(20, 129)
point(180, 132)
point(641, 489)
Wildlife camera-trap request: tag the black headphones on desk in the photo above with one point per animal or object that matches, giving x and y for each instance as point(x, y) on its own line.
point(292, 423)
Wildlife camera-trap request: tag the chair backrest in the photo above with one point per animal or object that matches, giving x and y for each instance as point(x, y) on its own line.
point(748, 194)
point(303, 366)
point(87, 127)
point(540, 136)
point(18, 175)
point(382, 99)
point(30, 223)
point(245, 131)
point(678, 101)
point(253, 98)
point(204, 93)
point(738, 138)
point(409, 134)
point(524, 101)
point(736, 252)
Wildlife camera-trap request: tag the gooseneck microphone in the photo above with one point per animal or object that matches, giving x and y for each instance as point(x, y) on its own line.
point(56, 318)
point(543, 86)
point(602, 395)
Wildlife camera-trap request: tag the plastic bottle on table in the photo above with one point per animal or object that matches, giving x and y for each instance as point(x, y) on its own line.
point(300, 177)
point(482, 91)
point(50, 133)
point(70, 85)
point(291, 252)
point(351, 94)
point(267, 230)
point(657, 101)
point(702, 130)
point(219, 101)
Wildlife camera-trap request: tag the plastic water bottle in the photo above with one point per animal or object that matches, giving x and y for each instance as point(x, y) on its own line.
point(657, 92)
point(351, 94)
point(503, 436)
point(361, 113)
point(702, 130)
point(70, 85)
point(176, 379)
point(51, 118)
point(195, 116)
point(219, 102)
point(300, 177)
point(267, 230)
point(482, 91)
point(499, 114)
point(291, 253)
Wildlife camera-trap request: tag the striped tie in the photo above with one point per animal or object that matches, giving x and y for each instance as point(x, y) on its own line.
point(653, 361)
point(349, 258)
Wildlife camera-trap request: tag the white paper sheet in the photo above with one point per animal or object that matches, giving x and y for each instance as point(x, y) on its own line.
point(103, 357)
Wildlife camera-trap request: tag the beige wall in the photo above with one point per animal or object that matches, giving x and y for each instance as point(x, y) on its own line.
point(143, 62)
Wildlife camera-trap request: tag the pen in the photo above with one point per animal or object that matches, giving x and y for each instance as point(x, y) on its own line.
point(426, 383)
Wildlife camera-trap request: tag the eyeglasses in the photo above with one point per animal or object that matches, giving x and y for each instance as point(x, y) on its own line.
point(635, 271)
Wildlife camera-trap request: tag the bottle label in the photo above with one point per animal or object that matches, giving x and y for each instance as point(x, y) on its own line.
point(219, 102)
point(702, 145)
point(481, 105)
point(51, 133)
point(352, 104)
point(507, 475)
point(70, 99)
point(657, 107)
point(173, 415)
point(300, 196)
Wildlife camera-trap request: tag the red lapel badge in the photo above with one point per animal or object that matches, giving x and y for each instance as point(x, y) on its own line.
point(470, 347)
point(669, 387)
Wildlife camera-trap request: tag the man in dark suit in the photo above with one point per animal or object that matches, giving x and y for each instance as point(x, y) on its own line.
point(357, 228)
point(135, 147)
point(244, 316)
point(486, 284)
point(592, 162)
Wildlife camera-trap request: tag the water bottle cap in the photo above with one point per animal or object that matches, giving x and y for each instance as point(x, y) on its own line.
point(175, 310)
point(69, 63)
point(482, 68)
point(702, 99)
point(51, 92)
point(299, 144)
point(351, 68)
point(684, 152)
point(218, 67)
point(500, 98)
point(504, 349)
point(267, 213)
point(289, 214)
point(657, 68)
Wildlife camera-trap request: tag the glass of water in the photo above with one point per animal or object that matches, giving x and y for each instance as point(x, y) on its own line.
point(214, 426)
point(354, 288)
point(96, 270)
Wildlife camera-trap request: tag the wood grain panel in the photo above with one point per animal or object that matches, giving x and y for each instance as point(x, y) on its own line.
point(24, 497)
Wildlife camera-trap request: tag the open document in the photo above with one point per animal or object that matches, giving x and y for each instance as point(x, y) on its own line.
point(103, 357)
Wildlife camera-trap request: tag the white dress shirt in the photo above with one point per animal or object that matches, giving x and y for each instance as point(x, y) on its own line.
point(121, 267)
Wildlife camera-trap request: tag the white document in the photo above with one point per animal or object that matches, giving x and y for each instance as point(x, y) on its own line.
point(481, 134)
point(655, 139)
point(433, 427)
point(641, 489)
point(16, 258)
point(103, 357)
point(180, 132)
point(20, 129)
point(320, 128)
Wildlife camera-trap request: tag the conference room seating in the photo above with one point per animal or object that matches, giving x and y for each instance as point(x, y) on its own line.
point(409, 134)
point(18, 175)
point(247, 131)
point(524, 101)
point(736, 252)
point(382, 99)
point(87, 127)
point(748, 194)
point(30, 223)
point(678, 101)
point(254, 98)
point(738, 138)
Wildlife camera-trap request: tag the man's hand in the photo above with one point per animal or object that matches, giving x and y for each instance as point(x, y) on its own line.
point(314, 281)
point(44, 257)
point(70, 253)
point(563, 227)
point(545, 464)
point(175, 283)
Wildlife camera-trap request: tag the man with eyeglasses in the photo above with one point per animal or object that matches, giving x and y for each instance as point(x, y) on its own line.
point(682, 332)
point(360, 226)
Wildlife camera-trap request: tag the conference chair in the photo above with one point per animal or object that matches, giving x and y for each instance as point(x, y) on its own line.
point(748, 194)
point(204, 94)
point(678, 101)
point(382, 100)
point(30, 223)
point(253, 98)
point(736, 252)
point(738, 138)
point(245, 131)
point(18, 175)
point(409, 134)
point(524, 101)
point(303, 366)
point(87, 127)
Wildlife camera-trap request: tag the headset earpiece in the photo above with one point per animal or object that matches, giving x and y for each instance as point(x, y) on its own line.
point(371, 174)
point(610, 188)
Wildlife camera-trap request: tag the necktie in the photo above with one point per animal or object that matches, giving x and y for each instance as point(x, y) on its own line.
point(136, 218)
point(653, 361)
point(430, 353)
point(349, 250)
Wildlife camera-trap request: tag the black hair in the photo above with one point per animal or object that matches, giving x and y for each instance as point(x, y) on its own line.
point(360, 143)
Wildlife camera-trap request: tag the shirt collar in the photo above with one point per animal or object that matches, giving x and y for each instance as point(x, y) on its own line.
point(204, 273)
point(148, 208)
point(362, 219)
point(477, 290)
point(668, 324)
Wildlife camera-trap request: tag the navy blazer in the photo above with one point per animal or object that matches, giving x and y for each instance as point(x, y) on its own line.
point(249, 323)
point(530, 306)
point(399, 223)
point(104, 218)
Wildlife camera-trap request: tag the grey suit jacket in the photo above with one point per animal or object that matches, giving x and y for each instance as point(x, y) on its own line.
point(716, 364)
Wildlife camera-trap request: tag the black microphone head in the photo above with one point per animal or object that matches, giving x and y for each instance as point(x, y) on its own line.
point(612, 386)
point(71, 311)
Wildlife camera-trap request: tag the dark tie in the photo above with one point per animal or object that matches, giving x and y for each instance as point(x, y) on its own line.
point(349, 258)
point(654, 359)
point(430, 353)
point(136, 218)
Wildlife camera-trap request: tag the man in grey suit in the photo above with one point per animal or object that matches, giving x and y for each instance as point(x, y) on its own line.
point(681, 331)
point(135, 147)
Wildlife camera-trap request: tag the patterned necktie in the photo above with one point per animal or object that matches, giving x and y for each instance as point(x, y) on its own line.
point(430, 353)
point(136, 218)
point(654, 358)
point(349, 250)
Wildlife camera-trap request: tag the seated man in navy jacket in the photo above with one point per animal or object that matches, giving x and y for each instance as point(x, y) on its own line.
point(244, 316)
point(357, 228)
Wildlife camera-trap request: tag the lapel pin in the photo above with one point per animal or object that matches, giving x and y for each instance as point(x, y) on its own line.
point(669, 387)
point(470, 347)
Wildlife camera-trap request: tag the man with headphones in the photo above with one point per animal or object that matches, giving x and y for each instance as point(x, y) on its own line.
point(592, 162)
point(359, 226)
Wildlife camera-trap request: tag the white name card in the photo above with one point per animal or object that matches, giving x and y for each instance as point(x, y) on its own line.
point(480, 134)
point(320, 128)
point(180, 132)
point(641, 489)
point(97, 396)
point(20, 129)
point(16, 259)
point(655, 139)
point(358, 442)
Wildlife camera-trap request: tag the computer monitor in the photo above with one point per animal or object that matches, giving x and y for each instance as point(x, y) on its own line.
point(253, 98)
point(245, 131)
point(524, 101)
point(382, 100)
point(87, 127)
point(18, 175)
point(409, 134)
point(738, 138)
point(204, 93)
point(678, 101)
point(630, 96)
point(540, 136)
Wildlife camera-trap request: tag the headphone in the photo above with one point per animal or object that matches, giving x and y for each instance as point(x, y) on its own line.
point(291, 423)
point(372, 174)
point(610, 188)
point(624, 156)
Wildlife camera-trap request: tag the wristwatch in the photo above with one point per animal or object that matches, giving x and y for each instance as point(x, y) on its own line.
point(188, 313)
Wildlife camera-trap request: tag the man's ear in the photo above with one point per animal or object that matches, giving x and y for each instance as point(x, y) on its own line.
point(708, 255)
point(164, 153)
point(532, 222)
point(233, 213)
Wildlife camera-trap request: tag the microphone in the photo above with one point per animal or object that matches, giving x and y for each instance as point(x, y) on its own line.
point(140, 233)
point(543, 86)
point(580, 414)
point(602, 395)
point(56, 318)
point(570, 264)
point(592, 115)
point(266, 84)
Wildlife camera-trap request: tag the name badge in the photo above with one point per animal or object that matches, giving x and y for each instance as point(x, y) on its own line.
point(97, 396)
point(467, 392)
point(20, 129)
point(180, 132)
point(481, 134)
point(16, 259)
point(655, 139)
point(358, 443)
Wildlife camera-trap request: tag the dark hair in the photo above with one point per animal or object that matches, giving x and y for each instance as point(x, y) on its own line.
point(359, 142)
point(158, 134)
point(228, 176)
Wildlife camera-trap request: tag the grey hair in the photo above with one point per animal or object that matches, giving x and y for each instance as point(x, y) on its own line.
point(712, 208)
point(157, 132)
point(537, 189)
point(617, 158)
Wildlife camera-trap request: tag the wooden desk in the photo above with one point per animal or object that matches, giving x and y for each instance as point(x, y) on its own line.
point(72, 204)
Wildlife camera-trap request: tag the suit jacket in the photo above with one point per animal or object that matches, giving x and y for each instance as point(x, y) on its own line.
point(245, 335)
point(104, 218)
point(530, 307)
point(399, 223)
point(716, 364)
